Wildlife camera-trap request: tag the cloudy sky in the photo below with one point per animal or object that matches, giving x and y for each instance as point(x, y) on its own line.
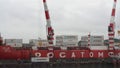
point(25, 18)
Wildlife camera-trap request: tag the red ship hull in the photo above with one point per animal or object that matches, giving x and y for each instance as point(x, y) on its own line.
point(7, 52)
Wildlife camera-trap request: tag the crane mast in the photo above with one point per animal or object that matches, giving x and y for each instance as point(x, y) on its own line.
point(111, 27)
point(50, 32)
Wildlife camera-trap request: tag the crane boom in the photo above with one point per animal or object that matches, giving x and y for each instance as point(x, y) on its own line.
point(50, 32)
point(111, 27)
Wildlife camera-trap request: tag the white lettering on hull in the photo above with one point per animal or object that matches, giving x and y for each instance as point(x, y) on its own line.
point(82, 54)
point(50, 54)
point(62, 54)
point(73, 55)
point(91, 54)
point(100, 54)
point(37, 54)
point(78, 55)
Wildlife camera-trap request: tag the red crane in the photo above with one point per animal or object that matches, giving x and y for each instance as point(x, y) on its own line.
point(111, 27)
point(50, 31)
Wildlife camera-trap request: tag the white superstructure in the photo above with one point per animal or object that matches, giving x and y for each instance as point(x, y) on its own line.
point(67, 40)
point(94, 41)
point(14, 42)
point(38, 42)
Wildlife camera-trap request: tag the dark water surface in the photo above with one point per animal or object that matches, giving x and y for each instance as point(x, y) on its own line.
point(61, 65)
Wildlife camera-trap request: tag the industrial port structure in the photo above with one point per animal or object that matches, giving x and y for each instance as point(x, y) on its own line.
point(54, 56)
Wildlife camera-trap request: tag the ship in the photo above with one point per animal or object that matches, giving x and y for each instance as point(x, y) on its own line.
point(57, 54)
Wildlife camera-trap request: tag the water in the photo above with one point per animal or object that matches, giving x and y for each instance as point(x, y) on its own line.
point(61, 65)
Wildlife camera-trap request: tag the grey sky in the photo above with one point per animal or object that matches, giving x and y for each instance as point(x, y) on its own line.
point(25, 18)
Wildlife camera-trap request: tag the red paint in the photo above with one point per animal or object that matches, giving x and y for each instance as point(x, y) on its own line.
point(115, 0)
point(47, 15)
point(7, 52)
point(113, 12)
point(44, 1)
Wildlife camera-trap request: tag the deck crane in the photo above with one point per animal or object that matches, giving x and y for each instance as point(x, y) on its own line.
point(111, 27)
point(50, 31)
